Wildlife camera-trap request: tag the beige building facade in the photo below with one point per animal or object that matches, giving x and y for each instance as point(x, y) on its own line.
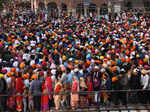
point(86, 7)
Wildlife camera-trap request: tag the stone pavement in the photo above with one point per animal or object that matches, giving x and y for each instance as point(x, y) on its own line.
point(110, 109)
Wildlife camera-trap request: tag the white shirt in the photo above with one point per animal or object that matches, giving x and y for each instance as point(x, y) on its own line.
point(144, 80)
point(15, 64)
point(26, 57)
point(32, 62)
point(27, 83)
point(33, 43)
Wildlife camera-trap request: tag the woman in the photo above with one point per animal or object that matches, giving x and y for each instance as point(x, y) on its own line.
point(83, 88)
point(90, 88)
point(11, 92)
point(74, 96)
point(19, 91)
point(96, 87)
point(57, 96)
point(49, 86)
point(44, 98)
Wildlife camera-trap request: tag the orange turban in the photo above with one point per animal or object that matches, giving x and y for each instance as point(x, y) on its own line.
point(114, 79)
point(22, 65)
point(13, 69)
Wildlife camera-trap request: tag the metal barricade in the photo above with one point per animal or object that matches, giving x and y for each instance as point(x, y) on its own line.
point(104, 100)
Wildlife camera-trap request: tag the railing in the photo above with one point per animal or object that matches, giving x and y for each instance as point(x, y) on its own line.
point(104, 100)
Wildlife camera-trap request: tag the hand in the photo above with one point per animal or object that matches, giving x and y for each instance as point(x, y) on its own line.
point(142, 89)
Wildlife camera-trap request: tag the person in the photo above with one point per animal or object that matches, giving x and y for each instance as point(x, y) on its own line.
point(134, 83)
point(74, 94)
point(89, 89)
point(57, 95)
point(19, 91)
point(44, 98)
point(35, 91)
point(32, 45)
point(83, 96)
point(116, 96)
point(145, 83)
point(68, 85)
point(96, 87)
point(11, 92)
point(49, 86)
point(25, 99)
point(3, 91)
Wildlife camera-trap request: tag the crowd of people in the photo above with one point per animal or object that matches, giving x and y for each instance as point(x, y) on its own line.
point(41, 58)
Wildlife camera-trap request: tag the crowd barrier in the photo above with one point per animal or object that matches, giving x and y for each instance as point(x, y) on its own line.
point(131, 97)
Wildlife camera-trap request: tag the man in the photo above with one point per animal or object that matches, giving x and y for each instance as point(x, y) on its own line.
point(145, 83)
point(35, 90)
point(57, 95)
point(134, 83)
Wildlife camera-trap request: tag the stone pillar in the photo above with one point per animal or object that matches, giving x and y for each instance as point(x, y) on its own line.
point(85, 11)
point(45, 3)
point(32, 5)
point(35, 6)
point(109, 7)
point(69, 10)
point(46, 10)
point(98, 12)
point(73, 12)
point(59, 11)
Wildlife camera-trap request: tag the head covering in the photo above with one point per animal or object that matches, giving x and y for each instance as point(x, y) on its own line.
point(53, 71)
point(76, 70)
point(146, 67)
point(34, 76)
point(82, 82)
point(1, 75)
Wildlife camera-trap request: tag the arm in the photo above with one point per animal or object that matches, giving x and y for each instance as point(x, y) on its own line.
point(31, 87)
point(146, 82)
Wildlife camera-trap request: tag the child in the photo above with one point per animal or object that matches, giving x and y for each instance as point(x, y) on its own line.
point(25, 99)
point(30, 101)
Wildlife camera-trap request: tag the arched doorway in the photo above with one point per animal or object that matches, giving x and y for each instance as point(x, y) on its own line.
point(25, 5)
point(41, 6)
point(80, 9)
point(128, 5)
point(147, 5)
point(104, 9)
point(52, 10)
point(63, 9)
point(92, 9)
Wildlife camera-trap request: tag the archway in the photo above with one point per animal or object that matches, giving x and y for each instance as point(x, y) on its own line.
point(52, 10)
point(24, 5)
point(80, 9)
point(128, 5)
point(104, 9)
point(41, 6)
point(64, 7)
point(92, 9)
point(147, 5)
